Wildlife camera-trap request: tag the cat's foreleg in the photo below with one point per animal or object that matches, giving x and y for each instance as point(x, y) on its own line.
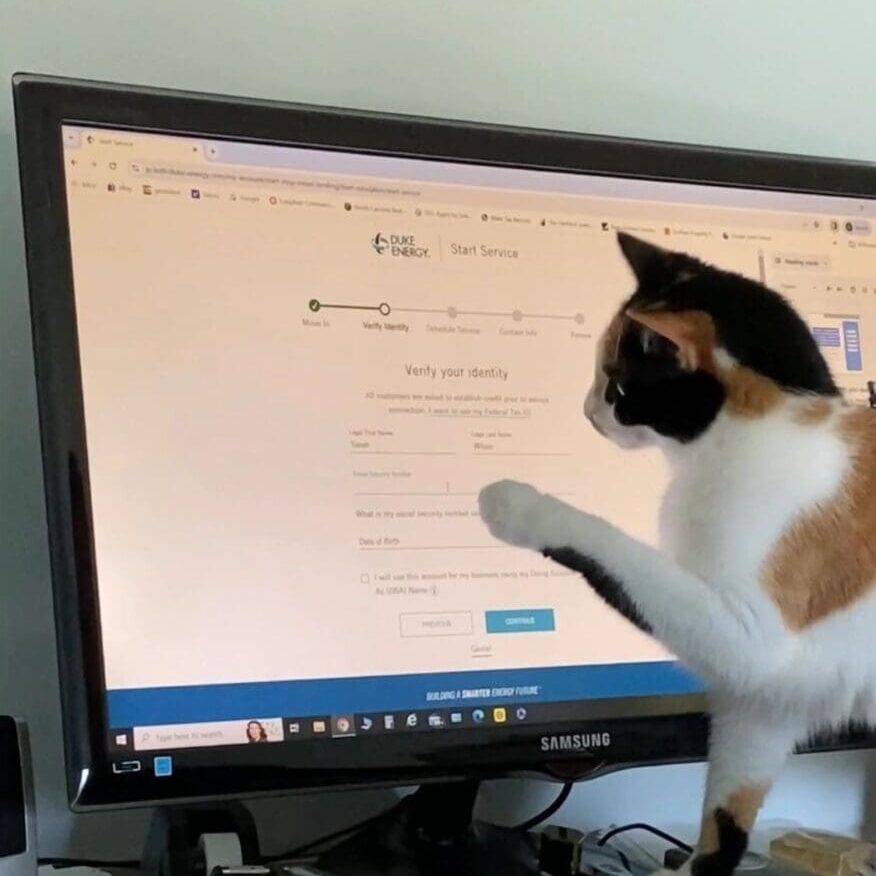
point(747, 751)
point(728, 635)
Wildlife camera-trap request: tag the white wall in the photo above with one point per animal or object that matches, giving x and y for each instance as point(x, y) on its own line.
point(789, 76)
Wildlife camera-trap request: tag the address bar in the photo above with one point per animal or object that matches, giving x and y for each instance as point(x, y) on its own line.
point(619, 210)
point(197, 173)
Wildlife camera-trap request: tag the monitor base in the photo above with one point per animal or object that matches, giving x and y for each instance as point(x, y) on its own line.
point(432, 833)
point(172, 842)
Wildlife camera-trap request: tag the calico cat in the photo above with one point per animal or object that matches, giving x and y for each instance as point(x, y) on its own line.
point(766, 582)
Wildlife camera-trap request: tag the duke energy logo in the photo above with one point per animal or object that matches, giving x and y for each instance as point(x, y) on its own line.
point(403, 246)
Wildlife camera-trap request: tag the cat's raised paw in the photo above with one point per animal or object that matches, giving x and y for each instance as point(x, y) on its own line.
point(510, 510)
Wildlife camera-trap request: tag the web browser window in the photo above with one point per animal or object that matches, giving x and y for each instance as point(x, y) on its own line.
point(299, 368)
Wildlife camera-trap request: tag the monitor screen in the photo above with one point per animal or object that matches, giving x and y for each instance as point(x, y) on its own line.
point(299, 366)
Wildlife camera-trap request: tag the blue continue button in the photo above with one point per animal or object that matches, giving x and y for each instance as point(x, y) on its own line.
point(521, 620)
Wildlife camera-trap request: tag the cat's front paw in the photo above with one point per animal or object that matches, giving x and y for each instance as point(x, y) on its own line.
point(511, 510)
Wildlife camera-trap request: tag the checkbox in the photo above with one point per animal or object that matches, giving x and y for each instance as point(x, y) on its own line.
point(364, 578)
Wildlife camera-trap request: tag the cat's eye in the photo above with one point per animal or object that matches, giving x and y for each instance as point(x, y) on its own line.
point(649, 341)
point(613, 391)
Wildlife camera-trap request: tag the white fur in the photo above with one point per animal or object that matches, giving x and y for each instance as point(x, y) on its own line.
point(723, 359)
point(733, 492)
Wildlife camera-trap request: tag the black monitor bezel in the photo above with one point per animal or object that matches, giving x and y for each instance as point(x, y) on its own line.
point(42, 105)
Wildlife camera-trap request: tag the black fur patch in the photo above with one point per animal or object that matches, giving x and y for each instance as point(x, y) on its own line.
point(756, 325)
point(650, 389)
point(732, 843)
point(605, 585)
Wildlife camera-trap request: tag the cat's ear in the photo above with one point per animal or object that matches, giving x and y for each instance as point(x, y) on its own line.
point(655, 266)
point(692, 332)
point(644, 258)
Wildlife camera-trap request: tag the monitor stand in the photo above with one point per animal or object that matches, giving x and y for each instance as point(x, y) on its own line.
point(432, 833)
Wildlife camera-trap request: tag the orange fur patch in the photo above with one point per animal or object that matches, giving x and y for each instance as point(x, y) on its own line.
point(827, 559)
point(749, 394)
point(816, 411)
point(610, 342)
point(692, 331)
point(743, 805)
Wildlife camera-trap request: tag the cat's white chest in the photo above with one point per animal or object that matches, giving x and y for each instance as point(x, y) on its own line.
point(736, 491)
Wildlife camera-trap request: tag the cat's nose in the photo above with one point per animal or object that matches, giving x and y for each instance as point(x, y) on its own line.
point(595, 423)
point(591, 411)
point(589, 406)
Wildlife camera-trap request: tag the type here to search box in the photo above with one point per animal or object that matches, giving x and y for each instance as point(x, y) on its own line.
point(208, 734)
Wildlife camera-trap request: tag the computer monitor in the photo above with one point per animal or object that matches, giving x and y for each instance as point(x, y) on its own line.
point(280, 349)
